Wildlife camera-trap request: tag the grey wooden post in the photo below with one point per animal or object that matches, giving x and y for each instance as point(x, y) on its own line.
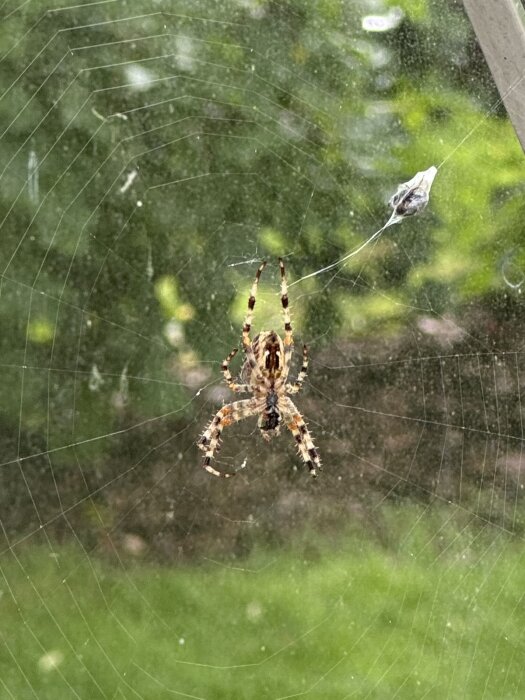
point(500, 29)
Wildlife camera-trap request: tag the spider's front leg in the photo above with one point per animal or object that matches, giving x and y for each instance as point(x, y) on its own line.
point(227, 415)
point(288, 333)
point(247, 325)
point(246, 342)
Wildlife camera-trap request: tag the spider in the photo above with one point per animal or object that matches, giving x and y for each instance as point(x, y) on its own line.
point(264, 374)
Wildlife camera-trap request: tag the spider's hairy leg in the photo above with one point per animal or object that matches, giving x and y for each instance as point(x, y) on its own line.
point(298, 384)
point(288, 336)
point(295, 423)
point(239, 388)
point(246, 342)
point(227, 415)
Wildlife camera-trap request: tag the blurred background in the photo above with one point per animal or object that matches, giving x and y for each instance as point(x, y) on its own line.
point(151, 155)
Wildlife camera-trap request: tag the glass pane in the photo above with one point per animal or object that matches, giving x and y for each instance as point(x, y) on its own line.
point(152, 155)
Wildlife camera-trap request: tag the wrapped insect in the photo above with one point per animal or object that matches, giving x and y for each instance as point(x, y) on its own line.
point(412, 196)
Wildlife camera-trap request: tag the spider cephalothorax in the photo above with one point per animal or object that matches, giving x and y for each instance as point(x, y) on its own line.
point(264, 374)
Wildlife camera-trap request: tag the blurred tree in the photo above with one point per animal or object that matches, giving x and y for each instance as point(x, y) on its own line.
point(170, 143)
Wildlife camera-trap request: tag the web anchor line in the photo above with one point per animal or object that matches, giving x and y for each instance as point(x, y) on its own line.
point(410, 198)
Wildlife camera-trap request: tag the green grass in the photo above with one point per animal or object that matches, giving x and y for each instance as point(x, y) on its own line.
point(436, 613)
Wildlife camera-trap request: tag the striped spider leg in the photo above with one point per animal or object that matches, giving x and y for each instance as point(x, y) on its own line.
point(227, 415)
point(295, 423)
point(288, 340)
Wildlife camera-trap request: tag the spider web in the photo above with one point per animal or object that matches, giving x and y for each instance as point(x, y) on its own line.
point(152, 155)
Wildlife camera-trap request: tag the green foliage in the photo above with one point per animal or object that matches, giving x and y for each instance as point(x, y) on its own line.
point(272, 129)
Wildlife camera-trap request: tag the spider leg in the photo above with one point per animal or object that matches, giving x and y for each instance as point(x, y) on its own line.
point(246, 342)
point(227, 415)
point(298, 384)
point(288, 336)
point(295, 423)
point(239, 388)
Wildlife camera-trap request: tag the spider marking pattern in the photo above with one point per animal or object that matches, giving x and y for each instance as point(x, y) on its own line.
point(265, 375)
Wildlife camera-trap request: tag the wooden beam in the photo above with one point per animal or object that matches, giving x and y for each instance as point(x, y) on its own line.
point(500, 29)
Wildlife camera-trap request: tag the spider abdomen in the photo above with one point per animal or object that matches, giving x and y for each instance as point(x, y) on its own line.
point(272, 415)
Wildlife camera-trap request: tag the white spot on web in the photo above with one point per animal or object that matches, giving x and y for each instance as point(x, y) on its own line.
point(134, 544)
point(243, 262)
point(33, 187)
point(149, 265)
point(115, 115)
point(95, 379)
point(130, 179)
point(182, 641)
point(255, 8)
point(445, 330)
point(174, 333)
point(254, 611)
point(382, 23)
point(124, 383)
point(379, 57)
point(50, 661)
point(121, 397)
point(511, 273)
point(289, 126)
point(140, 78)
point(184, 50)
